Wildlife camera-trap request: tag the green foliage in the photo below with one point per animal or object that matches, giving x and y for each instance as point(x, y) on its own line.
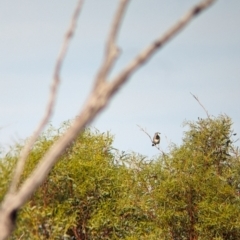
point(96, 192)
point(194, 198)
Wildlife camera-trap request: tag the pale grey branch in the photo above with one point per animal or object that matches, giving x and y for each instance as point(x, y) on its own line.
point(111, 51)
point(147, 53)
point(52, 98)
point(13, 201)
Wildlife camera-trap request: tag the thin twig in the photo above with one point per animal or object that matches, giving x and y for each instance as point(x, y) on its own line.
point(52, 98)
point(200, 104)
point(145, 132)
point(150, 139)
point(21, 236)
point(235, 151)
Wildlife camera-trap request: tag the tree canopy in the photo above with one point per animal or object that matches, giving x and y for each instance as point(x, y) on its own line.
point(98, 192)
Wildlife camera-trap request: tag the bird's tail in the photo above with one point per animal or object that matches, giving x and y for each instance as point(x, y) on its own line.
point(153, 144)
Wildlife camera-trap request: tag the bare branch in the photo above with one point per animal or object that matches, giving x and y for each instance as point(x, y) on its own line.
point(200, 104)
point(145, 132)
point(52, 98)
point(112, 51)
point(147, 53)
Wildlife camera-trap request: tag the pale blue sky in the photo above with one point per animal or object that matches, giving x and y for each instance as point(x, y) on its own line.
point(203, 59)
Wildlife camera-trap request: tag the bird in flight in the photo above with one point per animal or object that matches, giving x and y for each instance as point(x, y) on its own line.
point(156, 139)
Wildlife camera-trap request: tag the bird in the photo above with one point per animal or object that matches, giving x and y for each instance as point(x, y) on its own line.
point(156, 139)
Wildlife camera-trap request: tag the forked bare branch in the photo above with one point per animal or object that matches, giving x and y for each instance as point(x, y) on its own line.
point(51, 102)
point(97, 100)
point(147, 53)
point(111, 51)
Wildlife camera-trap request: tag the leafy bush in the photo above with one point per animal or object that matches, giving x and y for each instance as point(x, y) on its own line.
point(96, 192)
